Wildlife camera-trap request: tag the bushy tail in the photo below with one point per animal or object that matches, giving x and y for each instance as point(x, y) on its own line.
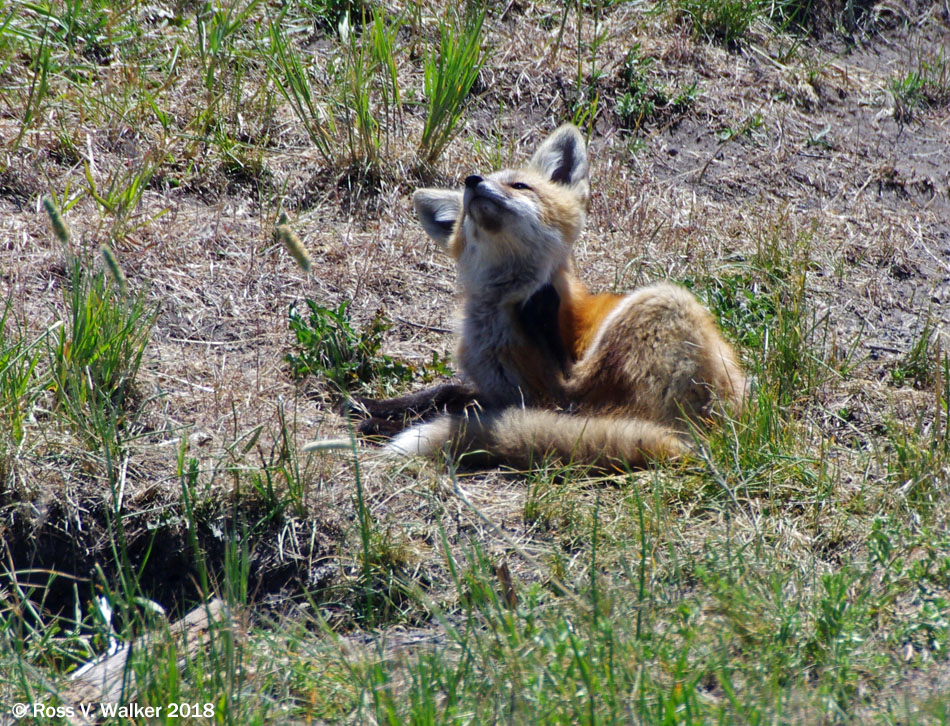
point(521, 437)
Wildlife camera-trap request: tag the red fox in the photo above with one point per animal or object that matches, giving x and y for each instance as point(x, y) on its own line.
point(601, 379)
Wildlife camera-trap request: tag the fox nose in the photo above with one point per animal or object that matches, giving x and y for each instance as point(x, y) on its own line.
point(472, 181)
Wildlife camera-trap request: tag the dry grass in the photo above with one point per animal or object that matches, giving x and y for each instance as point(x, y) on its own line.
point(794, 163)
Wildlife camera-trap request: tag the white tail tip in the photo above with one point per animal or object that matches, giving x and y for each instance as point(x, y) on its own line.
point(422, 440)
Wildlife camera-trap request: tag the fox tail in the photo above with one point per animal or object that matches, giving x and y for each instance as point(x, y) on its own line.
point(520, 437)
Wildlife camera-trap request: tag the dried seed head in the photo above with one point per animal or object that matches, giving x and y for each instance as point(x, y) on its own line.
point(289, 239)
point(113, 264)
point(59, 226)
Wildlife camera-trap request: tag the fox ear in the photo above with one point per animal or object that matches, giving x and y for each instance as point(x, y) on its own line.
point(437, 209)
point(562, 158)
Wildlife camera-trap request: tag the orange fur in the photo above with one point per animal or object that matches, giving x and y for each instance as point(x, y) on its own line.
point(581, 313)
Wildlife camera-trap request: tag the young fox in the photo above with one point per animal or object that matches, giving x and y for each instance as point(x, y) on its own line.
point(600, 379)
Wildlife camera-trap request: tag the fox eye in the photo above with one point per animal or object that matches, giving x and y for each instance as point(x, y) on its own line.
point(520, 186)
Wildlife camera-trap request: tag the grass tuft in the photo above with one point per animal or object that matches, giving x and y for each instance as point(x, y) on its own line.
point(450, 74)
point(926, 85)
point(722, 21)
point(94, 358)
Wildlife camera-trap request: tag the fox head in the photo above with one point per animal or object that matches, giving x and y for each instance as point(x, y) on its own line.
point(532, 213)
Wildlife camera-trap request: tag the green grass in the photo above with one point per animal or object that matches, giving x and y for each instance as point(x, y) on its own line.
point(919, 366)
point(99, 350)
point(20, 383)
point(370, 87)
point(292, 79)
point(723, 21)
point(748, 641)
point(729, 22)
point(450, 73)
point(925, 85)
point(818, 16)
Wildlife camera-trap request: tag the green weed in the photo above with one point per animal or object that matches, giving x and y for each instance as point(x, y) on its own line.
point(93, 361)
point(924, 86)
point(383, 560)
point(328, 345)
point(764, 305)
point(643, 99)
point(384, 42)
point(362, 129)
point(362, 100)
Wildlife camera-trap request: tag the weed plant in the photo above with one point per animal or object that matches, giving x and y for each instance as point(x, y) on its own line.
point(643, 99)
point(329, 346)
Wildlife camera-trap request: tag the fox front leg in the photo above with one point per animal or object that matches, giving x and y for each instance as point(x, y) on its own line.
point(389, 416)
point(539, 316)
point(537, 356)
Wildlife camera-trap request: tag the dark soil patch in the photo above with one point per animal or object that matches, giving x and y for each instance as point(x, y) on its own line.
point(283, 557)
